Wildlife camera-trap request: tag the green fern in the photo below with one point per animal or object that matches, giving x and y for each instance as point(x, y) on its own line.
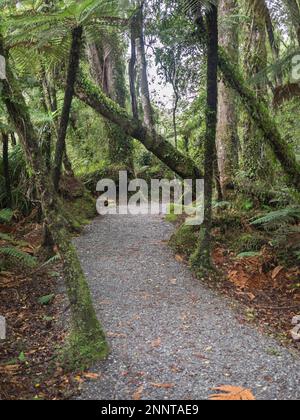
point(20, 256)
point(279, 217)
point(6, 215)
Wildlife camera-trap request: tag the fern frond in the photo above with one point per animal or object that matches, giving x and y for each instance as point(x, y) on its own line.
point(283, 216)
point(20, 256)
point(6, 215)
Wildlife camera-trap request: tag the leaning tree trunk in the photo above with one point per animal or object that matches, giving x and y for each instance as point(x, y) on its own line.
point(87, 341)
point(227, 129)
point(201, 259)
point(8, 200)
point(108, 71)
point(92, 96)
point(69, 93)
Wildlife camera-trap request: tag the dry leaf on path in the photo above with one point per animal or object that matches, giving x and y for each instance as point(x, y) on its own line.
point(91, 375)
point(232, 393)
point(156, 343)
point(162, 386)
point(179, 258)
point(138, 394)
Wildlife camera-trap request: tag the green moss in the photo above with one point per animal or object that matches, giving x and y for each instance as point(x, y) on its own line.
point(249, 242)
point(81, 210)
point(81, 352)
point(184, 240)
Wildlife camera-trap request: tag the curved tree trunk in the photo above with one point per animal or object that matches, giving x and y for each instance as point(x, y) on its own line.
point(87, 340)
point(92, 96)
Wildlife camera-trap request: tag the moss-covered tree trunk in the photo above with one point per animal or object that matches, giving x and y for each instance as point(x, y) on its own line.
point(108, 71)
point(87, 341)
point(73, 66)
point(201, 259)
point(158, 145)
point(264, 122)
point(255, 160)
point(227, 129)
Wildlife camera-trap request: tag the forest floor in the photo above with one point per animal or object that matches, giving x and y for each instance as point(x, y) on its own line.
point(171, 335)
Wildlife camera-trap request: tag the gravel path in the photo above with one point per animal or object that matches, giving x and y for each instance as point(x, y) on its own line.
point(165, 327)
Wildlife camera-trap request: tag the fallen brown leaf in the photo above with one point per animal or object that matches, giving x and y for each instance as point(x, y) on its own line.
point(276, 272)
point(179, 258)
point(138, 393)
point(162, 386)
point(232, 393)
point(156, 343)
point(91, 375)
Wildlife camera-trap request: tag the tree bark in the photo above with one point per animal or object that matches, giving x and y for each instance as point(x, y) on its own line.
point(108, 70)
point(259, 113)
point(201, 259)
point(142, 63)
point(87, 341)
point(132, 68)
point(69, 93)
point(8, 201)
point(92, 96)
point(227, 129)
point(255, 160)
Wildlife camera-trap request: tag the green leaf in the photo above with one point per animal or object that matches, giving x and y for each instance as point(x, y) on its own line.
point(22, 358)
point(46, 300)
point(248, 254)
point(6, 215)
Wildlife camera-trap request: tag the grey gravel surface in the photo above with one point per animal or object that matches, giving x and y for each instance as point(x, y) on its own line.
point(165, 327)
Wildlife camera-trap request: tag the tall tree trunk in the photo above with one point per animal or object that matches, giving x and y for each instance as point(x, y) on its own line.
point(87, 341)
point(142, 63)
point(132, 67)
point(254, 151)
point(69, 93)
point(108, 71)
point(201, 259)
point(8, 201)
point(227, 129)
